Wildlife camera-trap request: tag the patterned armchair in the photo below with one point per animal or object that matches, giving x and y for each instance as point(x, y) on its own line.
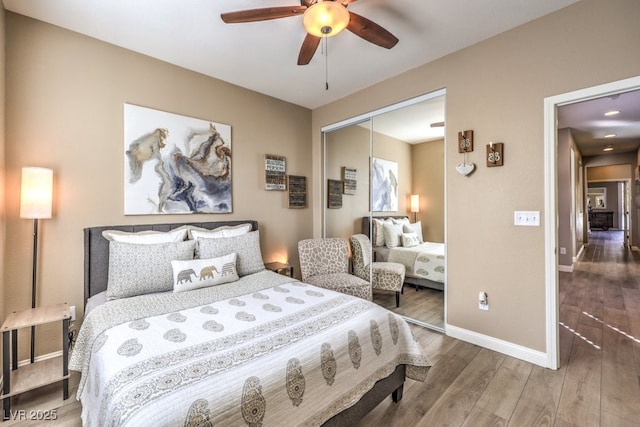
point(387, 276)
point(325, 263)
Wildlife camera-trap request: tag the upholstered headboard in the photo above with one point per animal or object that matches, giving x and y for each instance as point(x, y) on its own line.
point(96, 249)
point(366, 222)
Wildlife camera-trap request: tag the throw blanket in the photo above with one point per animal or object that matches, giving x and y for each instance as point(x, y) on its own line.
point(425, 260)
point(265, 350)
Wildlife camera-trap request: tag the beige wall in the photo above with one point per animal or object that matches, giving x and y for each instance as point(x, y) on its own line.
point(497, 88)
point(64, 110)
point(350, 147)
point(428, 183)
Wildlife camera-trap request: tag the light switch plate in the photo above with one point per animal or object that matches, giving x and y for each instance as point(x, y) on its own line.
point(526, 218)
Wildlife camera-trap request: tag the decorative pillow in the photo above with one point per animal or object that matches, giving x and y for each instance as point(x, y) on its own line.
point(147, 236)
point(136, 269)
point(409, 240)
point(247, 246)
point(224, 231)
point(200, 273)
point(416, 227)
point(401, 221)
point(392, 235)
point(378, 231)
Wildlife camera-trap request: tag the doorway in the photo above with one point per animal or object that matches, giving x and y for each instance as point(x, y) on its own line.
point(551, 105)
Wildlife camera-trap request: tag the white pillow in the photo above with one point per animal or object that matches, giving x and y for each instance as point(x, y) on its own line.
point(378, 231)
point(224, 231)
point(401, 221)
point(200, 273)
point(416, 227)
point(410, 240)
point(147, 236)
point(392, 235)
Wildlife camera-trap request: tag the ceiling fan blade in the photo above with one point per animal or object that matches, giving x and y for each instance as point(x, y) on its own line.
point(370, 31)
point(253, 15)
point(308, 49)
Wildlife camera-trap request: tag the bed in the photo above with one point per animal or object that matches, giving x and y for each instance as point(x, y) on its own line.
point(424, 263)
point(264, 349)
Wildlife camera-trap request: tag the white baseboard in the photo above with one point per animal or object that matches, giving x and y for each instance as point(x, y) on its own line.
point(510, 349)
point(565, 268)
point(580, 254)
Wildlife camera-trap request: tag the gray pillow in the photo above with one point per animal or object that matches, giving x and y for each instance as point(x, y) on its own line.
point(137, 269)
point(247, 246)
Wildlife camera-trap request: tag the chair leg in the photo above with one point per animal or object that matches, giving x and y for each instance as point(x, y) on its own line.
point(397, 299)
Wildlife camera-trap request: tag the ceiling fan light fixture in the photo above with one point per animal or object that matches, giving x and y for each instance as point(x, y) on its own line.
point(325, 18)
point(608, 148)
point(612, 113)
point(610, 135)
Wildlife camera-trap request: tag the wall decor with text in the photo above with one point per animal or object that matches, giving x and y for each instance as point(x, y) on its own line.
point(275, 172)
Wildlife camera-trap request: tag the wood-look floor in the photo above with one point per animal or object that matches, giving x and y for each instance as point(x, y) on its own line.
point(425, 305)
point(598, 383)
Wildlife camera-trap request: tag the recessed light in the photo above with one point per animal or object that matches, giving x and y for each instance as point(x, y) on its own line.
point(608, 148)
point(610, 135)
point(612, 113)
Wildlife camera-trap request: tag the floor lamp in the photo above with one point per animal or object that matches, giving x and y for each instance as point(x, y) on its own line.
point(415, 205)
point(36, 196)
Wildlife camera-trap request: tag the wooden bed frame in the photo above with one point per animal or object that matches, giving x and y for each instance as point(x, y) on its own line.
point(416, 281)
point(96, 269)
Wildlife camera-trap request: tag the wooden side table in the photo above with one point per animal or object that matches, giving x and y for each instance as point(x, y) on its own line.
point(40, 373)
point(280, 267)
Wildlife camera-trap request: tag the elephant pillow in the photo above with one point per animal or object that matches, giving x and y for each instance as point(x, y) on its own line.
point(200, 273)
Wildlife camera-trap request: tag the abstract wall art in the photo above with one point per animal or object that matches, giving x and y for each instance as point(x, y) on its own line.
point(384, 185)
point(175, 164)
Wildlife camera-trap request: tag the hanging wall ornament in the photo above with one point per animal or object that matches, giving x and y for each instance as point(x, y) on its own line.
point(465, 146)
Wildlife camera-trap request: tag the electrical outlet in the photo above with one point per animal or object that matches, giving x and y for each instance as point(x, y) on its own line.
point(72, 310)
point(563, 251)
point(483, 301)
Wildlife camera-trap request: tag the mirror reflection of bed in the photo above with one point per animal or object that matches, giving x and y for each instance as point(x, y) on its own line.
point(422, 299)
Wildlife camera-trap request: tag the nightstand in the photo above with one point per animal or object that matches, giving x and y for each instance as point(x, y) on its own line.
point(40, 373)
point(280, 267)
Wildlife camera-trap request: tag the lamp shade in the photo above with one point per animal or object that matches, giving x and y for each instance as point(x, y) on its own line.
point(415, 203)
point(36, 195)
point(325, 18)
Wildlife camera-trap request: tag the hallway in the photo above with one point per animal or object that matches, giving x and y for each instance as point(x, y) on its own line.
point(600, 335)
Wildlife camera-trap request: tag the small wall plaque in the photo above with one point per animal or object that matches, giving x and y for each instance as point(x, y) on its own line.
point(465, 141)
point(275, 169)
point(350, 179)
point(495, 154)
point(334, 194)
point(297, 191)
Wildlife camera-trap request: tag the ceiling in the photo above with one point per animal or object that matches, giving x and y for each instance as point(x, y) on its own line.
point(589, 124)
point(262, 56)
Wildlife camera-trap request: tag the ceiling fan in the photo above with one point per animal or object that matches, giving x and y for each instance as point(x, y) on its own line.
point(321, 18)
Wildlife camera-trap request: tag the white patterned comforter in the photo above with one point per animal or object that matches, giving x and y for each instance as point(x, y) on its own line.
point(424, 261)
point(265, 350)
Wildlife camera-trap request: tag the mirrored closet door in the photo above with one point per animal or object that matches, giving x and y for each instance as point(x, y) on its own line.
point(379, 162)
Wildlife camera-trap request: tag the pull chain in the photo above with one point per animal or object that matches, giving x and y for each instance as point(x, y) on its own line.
point(326, 64)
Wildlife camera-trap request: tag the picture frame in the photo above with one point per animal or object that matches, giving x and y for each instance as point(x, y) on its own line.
point(275, 173)
point(170, 166)
point(334, 194)
point(297, 191)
